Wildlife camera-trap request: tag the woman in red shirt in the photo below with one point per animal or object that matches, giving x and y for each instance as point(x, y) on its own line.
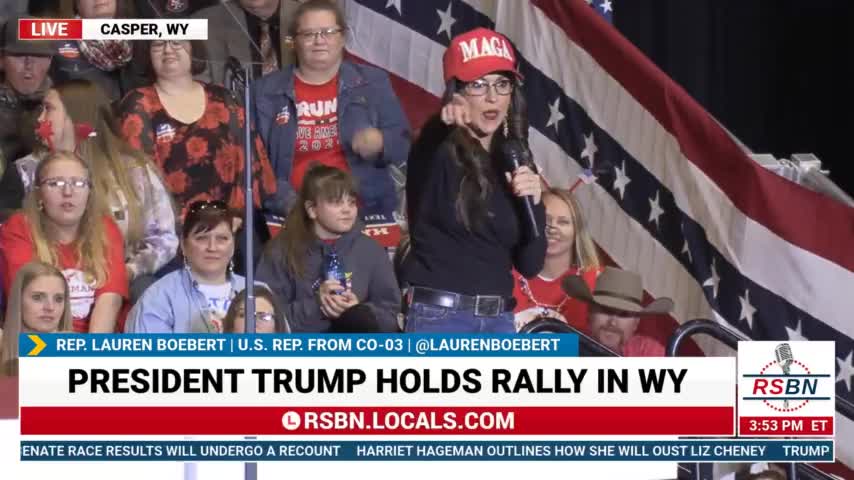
point(570, 251)
point(193, 131)
point(63, 224)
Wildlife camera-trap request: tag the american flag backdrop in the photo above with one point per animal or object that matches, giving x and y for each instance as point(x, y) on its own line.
point(675, 197)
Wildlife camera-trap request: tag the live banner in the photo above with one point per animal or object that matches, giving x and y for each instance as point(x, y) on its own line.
point(376, 397)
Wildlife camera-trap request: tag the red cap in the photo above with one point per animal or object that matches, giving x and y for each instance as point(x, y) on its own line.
point(476, 53)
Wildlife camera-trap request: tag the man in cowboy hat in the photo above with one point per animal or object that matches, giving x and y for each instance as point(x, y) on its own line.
point(615, 311)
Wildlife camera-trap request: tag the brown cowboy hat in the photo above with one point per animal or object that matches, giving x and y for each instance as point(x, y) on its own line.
point(616, 289)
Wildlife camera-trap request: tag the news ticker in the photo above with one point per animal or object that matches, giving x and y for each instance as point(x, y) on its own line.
point(383, 387)
point(112, 29)
point(686, 451)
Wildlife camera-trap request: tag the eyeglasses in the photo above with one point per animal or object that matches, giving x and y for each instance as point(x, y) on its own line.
point(201, 205)
point(307, 36)
point(161, 44)
point(479, 88)
point(261, 316)
point(59, 183)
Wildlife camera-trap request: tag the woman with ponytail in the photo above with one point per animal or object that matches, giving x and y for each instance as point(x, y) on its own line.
point(467, 230)
point(77, 117)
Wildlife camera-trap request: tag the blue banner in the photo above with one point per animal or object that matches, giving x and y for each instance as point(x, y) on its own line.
point(739, 450)
point(296, 345)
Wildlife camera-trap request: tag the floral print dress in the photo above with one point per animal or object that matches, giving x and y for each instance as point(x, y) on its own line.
point(202, 160)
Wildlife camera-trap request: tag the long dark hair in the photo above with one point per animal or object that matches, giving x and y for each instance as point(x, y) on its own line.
point(321, 182)
point(479, 172)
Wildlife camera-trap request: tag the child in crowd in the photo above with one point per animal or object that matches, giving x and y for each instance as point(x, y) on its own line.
point(323, 223)
point(269, 317)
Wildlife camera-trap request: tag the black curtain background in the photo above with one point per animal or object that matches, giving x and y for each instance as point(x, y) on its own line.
point(776, 73)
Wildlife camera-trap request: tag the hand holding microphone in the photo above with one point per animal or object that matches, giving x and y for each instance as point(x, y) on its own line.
point(525, 183)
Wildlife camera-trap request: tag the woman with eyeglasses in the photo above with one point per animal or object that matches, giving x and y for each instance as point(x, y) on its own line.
point(570, 251)
point(467, 230)
point(63, 224)
point(193, 131)
point(38, 303)
point(269, 316)
point(76, 116)
point(328, 110)
point(194, 299)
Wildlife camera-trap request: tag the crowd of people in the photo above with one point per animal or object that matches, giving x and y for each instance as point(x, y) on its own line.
point(123, 177)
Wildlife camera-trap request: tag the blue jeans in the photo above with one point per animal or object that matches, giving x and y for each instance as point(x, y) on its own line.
point(425, 318)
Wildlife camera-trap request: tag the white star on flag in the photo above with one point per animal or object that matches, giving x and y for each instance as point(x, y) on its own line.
point(622, 180)
point(686, 250)
point(796, 334)
point(395, 4)
point(554, 114)
point(747, 310)
point(846, 369)
point(590, 149)
point(606, 6)
point(447, 20)
point(655, 210)
point(713, 281)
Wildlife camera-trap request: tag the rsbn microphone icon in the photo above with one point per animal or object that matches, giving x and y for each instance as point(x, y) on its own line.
point(784, 359)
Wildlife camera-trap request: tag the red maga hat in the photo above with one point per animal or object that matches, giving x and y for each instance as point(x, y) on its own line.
point(476, 53)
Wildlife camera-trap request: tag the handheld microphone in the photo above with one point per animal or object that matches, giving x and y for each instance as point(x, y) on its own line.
point(513, 154)
point(784, 359)
point(784, 356)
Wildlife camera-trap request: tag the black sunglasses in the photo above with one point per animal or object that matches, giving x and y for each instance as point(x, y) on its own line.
point(203, 205)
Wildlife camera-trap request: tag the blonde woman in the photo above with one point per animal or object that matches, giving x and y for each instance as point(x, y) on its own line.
point(38, 302)
point(62, 224)
point(77, 117)
point(570, 251)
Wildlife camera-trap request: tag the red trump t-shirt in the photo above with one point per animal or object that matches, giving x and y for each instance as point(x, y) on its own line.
point(317, 129)
point(17, 248)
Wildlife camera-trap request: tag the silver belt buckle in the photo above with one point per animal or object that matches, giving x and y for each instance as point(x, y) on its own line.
point(487, 306)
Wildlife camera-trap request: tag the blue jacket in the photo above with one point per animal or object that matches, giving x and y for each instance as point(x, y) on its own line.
point(365, 99)
point(173, 304)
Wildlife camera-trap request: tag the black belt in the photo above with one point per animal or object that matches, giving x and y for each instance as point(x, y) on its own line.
point(481, 305)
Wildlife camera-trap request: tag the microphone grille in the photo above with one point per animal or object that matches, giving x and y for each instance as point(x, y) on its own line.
point(784, 353)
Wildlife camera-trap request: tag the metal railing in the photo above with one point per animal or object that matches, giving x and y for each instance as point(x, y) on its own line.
point(588, 346)
point(795, 471)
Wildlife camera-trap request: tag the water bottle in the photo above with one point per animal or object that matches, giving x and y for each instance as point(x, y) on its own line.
point(334, 269)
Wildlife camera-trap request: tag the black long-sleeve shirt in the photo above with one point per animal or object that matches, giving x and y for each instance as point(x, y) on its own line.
point(447, 256)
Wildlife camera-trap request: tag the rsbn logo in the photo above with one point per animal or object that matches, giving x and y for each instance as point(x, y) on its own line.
point(785, 384)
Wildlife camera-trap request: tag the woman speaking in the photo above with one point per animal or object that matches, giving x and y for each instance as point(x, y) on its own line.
point(468, 221)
